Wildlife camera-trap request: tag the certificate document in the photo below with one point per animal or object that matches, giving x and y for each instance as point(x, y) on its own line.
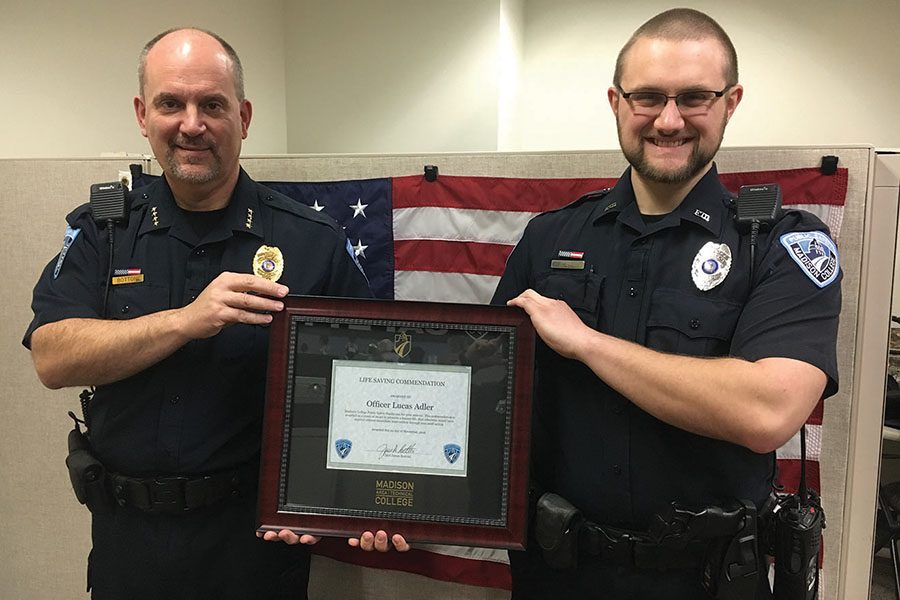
point(399, 418)
point(371, 422)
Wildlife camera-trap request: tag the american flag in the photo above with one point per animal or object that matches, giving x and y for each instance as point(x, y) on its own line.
point(448, 239)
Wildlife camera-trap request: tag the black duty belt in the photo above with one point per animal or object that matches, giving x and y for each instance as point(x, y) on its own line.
point(631, 549)
point(181, 494)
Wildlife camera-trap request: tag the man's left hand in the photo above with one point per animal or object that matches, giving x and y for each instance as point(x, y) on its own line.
point(288, 537)
point(555, 322)
point(379, 541)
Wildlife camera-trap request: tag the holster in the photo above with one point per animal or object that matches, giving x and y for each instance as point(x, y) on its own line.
point(87, 474)
point(557, 527)
point(732, 567)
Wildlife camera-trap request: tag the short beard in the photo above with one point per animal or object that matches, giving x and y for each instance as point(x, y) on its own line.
point(695, 164)
point(179, 173)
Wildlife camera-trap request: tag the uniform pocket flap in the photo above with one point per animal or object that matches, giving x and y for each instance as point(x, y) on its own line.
point(692, 315)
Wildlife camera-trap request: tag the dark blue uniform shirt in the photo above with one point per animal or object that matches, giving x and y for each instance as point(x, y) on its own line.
point(616, 462)
point(199, 410)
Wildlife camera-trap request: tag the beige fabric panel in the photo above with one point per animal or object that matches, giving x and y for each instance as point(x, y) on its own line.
point(46, 535)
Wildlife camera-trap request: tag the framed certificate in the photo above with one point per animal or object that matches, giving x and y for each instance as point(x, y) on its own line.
point(412, 417)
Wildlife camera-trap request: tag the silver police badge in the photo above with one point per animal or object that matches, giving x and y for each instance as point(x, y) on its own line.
point(711, 265)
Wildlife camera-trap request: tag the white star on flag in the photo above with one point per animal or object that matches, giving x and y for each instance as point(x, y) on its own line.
point(316, 206)
point(359, 208)
point(359, 249)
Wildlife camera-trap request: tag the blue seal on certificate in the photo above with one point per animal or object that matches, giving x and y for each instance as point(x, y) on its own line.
point(343, 447)
point(452, 452)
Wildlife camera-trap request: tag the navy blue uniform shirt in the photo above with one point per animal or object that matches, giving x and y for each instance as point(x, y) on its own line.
point(616, 462)
point(200, 409)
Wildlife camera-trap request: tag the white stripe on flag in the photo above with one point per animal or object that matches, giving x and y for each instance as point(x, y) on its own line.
point(460, 224)
point(831, 215)
point(791, 450)
point(467, 288)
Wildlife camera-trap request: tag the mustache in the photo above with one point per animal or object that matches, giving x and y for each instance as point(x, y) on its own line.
point(195, 143)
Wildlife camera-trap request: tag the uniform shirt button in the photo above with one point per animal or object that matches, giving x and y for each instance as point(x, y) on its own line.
point(632, 292)
point(200, 251)
point(175, 399)
point(617, 469)
point(125, 308)
point(695, 323)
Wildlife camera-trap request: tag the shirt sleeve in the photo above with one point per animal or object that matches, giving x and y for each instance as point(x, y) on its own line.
point(69, 286)
point(517, 274)
point(791, 313)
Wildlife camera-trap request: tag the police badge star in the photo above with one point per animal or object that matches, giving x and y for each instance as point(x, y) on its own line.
point(268, 263)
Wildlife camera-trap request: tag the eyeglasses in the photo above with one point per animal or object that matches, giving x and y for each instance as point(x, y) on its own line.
point(695, 102)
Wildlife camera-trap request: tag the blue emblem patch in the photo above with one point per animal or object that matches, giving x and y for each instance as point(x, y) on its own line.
point(452, 452)
point(815, 253)
point(343, 447)
point(68, 240)
point(710, 266)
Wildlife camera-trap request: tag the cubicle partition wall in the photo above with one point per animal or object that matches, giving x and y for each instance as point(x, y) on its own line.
point(46, 534)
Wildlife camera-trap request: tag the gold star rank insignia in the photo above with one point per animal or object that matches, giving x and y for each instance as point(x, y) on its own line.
point(268, 263)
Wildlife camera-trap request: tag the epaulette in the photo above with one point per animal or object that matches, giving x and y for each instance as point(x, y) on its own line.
point(279, 201)
point(593, 196)
point(78, 213)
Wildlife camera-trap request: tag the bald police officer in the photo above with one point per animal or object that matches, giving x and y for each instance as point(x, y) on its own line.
point(178, 351)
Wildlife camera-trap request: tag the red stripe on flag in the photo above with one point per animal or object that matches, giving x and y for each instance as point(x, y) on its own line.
point(815, 418)
point(798, 186)
point(789, 475)
point(450, 257)
point(430, 564)
point(492, 193)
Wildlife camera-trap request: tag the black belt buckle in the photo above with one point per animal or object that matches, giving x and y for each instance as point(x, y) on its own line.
point(167, 494)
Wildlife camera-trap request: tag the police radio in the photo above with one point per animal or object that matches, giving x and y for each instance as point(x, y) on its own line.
point(799, 521)
point(109, 202)
point(109, 205)
point(758, 207)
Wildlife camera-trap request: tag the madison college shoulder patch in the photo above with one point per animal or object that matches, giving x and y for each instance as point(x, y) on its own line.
point(815, 253)
point(68, 240)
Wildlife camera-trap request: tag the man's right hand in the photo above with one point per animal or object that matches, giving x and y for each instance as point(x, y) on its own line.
point(232, 298)
point(100, 351)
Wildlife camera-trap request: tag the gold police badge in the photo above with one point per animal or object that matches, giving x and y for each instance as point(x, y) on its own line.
point(268, 263)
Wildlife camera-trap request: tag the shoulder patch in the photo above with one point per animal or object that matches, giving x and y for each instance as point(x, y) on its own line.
point(68, 240)
point(815, 253)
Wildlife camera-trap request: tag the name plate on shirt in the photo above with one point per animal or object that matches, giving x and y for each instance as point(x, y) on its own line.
point(412, 417)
